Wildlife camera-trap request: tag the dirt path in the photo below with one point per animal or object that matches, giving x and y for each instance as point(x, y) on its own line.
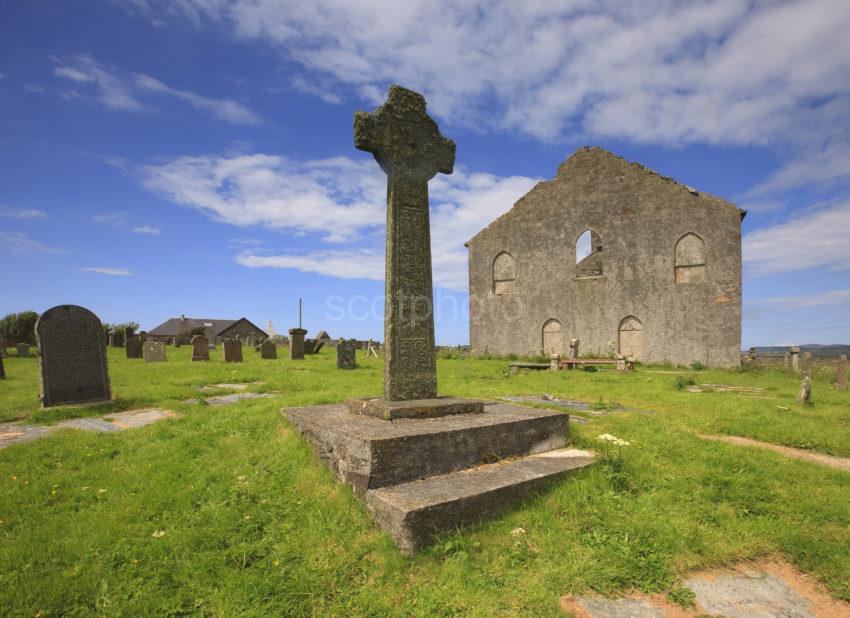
point(839, 463)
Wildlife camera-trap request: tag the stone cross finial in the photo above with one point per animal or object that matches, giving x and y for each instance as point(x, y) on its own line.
point(408, 146)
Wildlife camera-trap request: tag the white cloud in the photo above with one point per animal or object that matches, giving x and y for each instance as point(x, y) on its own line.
point(29, 213)
point(819, 239)
point(835, 297)
point(343, 264)
point(111, 218)
point(342, 199)
point(116, 272)
point(19, 243)
point(717, 71)
point(148, 229)
point(125, 91)
point(335, 197)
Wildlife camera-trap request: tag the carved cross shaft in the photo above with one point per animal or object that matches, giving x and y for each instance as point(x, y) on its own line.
point(408, 146)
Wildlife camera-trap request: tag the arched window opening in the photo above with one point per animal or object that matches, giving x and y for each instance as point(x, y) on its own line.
point(553, 337)
point(589, 254)
point(690, 259)
point(630, 337)
point(504, 274)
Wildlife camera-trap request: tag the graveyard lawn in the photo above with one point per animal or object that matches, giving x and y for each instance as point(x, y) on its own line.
point(225, 510)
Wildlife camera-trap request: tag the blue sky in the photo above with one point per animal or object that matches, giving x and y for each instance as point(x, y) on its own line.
point(167, 157)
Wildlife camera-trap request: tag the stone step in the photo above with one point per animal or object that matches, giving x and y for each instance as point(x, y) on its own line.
point(369, 453)
point(414, 512)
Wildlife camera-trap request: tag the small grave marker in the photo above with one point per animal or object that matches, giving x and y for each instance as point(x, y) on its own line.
point(232, 351)
point(200, 348)
point(346, 357)
point(23, 349)
point(154, 351)
point(268, 349)
point(841, 373)
point(133, 347)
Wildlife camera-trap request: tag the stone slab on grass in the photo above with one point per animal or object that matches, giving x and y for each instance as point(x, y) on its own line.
point(226, 399)
point(839, 463)
point(753, 594)
point(88, 424)
point(599, 607)
point(138, 418)
point(12, 433)
point(414, 513)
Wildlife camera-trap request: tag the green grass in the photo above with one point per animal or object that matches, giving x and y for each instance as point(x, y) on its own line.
point(225, 511)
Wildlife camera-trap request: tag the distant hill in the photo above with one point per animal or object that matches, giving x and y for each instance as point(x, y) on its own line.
point(817, 349)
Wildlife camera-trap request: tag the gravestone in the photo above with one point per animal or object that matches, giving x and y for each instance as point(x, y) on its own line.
point(23, 349)
point(805, 394)
point(232, 351)
point(2, 369)
point(153, 351)
point(409, 148)
point(143, 336)
point(72, 357)
point(346, 357)
point(787, 362)
point(841, 373)
point(116, 339)
point(795, 359)
point(751, 355)
point(574, 345)
point(133, 347)
point(555, 362)
point(178, 342)
point(296, 343)
point(200, 348)
point(807, 364)
point(4, 353)
point(268, 349)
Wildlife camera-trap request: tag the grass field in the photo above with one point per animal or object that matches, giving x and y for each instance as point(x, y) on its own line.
point(225, 511)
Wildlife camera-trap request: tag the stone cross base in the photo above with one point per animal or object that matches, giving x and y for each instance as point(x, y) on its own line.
point(414, 408)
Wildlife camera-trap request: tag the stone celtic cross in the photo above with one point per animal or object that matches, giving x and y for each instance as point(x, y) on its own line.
point(408, 146)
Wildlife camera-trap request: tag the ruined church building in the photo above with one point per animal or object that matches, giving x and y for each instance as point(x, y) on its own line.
point(659, 279)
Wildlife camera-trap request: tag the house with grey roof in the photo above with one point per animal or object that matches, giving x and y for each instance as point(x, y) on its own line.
point(214, 329)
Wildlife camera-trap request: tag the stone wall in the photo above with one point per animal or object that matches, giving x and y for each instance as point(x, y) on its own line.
point(637, 218)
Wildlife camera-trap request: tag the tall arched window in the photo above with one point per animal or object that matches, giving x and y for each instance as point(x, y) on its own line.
point(588, 254)
point(504, 274)
point(690, 259)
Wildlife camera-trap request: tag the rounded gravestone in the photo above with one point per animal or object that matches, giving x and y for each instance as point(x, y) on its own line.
point(200, 348)
point(72, 356)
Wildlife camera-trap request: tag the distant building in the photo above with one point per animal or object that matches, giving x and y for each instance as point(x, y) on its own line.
point(659, 277)
point(214, 330)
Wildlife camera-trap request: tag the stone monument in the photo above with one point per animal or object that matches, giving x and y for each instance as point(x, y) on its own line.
point(296, 343)
point(805, 395)
point(143, 336)
point(153, 351)
point(807, 364)
point(133, 347)
point(445, 462)
point(232, 351)
point(23, 349)
point(841, 373)
point(200, 348)
point(795, 359)
point(346, 357)
point(574, 345)
point(72, 357)
point(268, 349)
point(2, 369)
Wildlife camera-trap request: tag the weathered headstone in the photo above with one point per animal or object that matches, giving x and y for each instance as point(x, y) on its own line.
point(4, 353)
point(795, 359)
point(555, 362)
point(841, 373)
point(178, 342)
point(268, 349)
point(2, 369)
point(408, 146)
point(116, 339)
point(133, 347)
point(346, 357)
point(154, 351)
point(143, 335)
point(200, 348)
point(574, 345)
point(805, 395)
point(23, 349)
point(72, 356)
point(751, 355)
point(787, 362)
point(807, 364)
point(296, 343)
point(232, 351)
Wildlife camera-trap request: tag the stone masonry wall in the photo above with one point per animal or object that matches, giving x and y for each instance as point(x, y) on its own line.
point(637, 216)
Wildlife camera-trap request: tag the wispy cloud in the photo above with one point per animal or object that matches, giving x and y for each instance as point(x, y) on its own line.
point(29, 213)
point(132, 92)
point(19, 243)
point(815, 240)
point(242, 243)
point(342, 199)
point(835, 297)
point(148, 229)
point(116, 219)
point(115, 272)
